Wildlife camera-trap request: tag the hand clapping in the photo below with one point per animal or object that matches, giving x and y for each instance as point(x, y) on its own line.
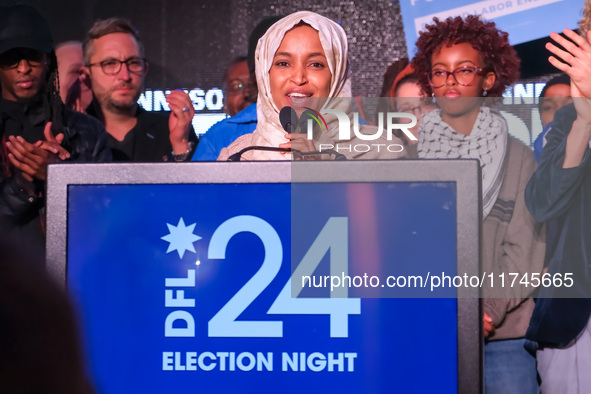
point(32, 159)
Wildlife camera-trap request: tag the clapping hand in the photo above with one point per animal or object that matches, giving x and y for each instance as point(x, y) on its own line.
point(32, 159)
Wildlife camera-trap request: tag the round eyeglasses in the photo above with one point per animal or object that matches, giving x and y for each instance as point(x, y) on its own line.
point(464, 76)
point(236, 87)
point(136, 65)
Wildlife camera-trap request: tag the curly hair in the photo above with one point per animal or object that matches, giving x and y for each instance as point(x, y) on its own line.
point(585, 22)
point(492, 44)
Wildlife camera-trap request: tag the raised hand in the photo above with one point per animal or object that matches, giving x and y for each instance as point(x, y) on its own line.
point(577, 55)
point(179, 123)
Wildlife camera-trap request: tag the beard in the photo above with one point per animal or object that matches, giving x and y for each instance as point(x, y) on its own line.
point(124, 105)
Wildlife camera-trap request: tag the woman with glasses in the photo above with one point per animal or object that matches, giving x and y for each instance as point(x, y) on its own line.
point(459, 61)
point(301, 62)
point(408, 97)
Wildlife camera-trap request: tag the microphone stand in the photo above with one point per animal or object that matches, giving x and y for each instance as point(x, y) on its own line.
point(238, 155)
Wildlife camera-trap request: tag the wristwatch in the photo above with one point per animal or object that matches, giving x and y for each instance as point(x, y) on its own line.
point(183, 156)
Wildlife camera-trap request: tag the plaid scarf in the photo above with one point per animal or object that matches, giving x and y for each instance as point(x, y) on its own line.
point(486, 142)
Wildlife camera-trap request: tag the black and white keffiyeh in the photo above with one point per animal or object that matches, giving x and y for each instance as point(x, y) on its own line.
point(487, 142)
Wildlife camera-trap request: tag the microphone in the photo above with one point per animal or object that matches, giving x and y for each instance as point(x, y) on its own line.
point(290, 123)
point(288, 119)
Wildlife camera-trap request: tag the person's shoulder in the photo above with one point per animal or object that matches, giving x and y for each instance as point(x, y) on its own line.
point(516, 143)
point(563, 119)
point(521, 161)
point(241, 142)
point(79, 121)
point(227, 130)
point(87, 136)
point(219, 127)
point(247, 115)
point(244, 141)
point(517, 147)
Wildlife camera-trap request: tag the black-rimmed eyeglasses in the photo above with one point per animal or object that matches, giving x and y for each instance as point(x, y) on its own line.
point(136, 65)
point(464, 76)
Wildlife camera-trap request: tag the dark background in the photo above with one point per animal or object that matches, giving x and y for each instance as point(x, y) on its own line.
point(190, 43)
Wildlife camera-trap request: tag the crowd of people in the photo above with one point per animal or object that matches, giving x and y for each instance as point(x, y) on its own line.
point(77, 102)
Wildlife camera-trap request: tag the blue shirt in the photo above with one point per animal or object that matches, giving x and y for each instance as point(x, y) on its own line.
point(224, 132)
point(539, 142)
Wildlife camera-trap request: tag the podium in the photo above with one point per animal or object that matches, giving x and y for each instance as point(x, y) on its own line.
point(222, 277)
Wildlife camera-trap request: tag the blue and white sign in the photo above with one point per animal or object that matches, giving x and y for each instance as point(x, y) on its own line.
point(186, 288)
point(524, 20)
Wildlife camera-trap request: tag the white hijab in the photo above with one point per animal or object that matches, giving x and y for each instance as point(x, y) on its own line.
point(334, 42)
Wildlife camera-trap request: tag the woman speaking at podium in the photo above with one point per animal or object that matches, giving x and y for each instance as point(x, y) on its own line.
point(300, 60)
point(460, 61)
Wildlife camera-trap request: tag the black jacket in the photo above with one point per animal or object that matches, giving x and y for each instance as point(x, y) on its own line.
point(563, 194)
point(151, 138)
point(22, 202)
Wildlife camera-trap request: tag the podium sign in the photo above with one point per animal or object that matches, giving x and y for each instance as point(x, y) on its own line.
point(186, 284)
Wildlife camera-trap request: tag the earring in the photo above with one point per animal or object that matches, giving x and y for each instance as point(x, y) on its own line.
point(433, 96)
point(484, 94)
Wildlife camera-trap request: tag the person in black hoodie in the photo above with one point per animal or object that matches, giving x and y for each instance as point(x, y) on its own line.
point(35, 127)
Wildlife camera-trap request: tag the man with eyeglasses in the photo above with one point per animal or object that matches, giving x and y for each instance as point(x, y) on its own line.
point(35, 127)
point(236, 81)
point(116, 66)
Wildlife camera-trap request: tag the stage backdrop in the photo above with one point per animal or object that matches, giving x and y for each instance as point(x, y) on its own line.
point(524, 20)
point(189, 43)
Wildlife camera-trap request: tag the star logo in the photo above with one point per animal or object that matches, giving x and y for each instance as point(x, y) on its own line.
point(181, 238)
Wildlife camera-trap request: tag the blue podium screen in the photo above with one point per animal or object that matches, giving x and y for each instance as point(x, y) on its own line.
point(186, 287)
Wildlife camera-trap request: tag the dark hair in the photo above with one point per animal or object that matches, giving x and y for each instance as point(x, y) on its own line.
point(391, 73)
point(492, 44)
point(257, 32)
point(27, 28)
point(235, 61)
point(562, 79)
point(410, 78)
point(104, 27)
point(55, 110)
point(396, 70)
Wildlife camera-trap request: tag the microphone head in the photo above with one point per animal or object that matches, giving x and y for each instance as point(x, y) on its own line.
point(288, 119)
